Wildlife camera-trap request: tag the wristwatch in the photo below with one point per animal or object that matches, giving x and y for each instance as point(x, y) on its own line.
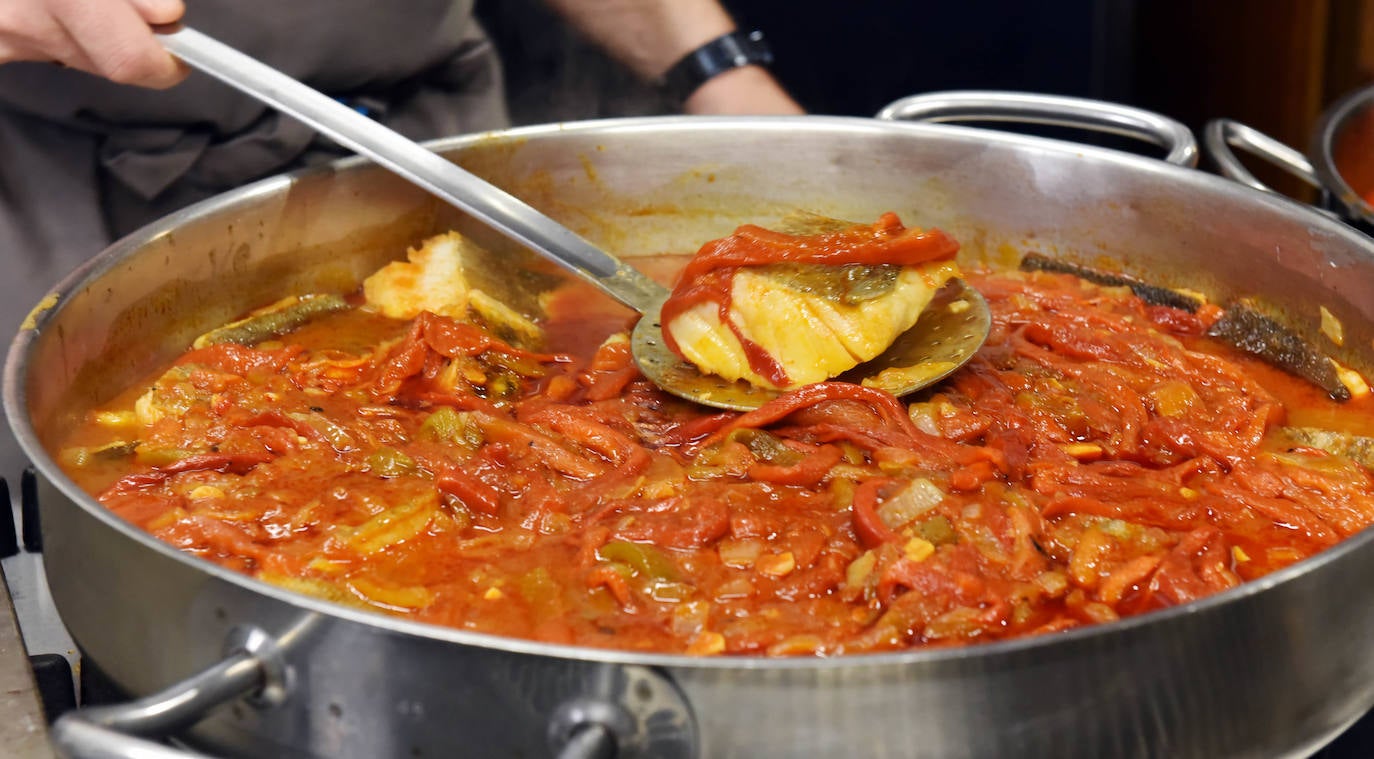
point(726, 52)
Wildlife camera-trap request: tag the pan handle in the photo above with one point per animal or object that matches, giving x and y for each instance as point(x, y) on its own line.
point(1057, 110)
point(1220, 135)
point(251, 668)
point(628, 711)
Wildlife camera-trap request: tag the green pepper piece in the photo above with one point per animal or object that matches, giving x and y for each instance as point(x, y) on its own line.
point(448, 425)
point(937, 530)
point(389, 462)
point(645, 560)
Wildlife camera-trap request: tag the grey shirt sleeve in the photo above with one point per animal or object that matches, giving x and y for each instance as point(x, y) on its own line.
point(84, 161)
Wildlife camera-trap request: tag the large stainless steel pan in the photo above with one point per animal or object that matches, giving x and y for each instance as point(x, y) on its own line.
point(1273, 668)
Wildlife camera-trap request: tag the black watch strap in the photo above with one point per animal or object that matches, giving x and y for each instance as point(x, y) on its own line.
point(726, 52)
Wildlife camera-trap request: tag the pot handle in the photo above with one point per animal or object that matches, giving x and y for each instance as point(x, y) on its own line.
point(1220, 135)
point(631, 711)
point(251, 669)
point(1057, 110)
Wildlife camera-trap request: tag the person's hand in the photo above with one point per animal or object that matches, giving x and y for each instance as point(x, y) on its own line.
point(109, 38)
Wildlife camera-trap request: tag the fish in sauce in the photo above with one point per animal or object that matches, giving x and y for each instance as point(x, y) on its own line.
point(1101, 457)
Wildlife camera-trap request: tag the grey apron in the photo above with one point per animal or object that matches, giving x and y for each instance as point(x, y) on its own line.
point(84, 161)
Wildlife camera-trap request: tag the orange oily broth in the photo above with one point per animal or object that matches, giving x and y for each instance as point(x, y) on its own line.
point(712, 549)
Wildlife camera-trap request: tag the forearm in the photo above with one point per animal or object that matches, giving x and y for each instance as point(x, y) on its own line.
point(649, 36)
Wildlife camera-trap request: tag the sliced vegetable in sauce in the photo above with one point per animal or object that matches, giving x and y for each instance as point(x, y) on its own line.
point(1101, 457)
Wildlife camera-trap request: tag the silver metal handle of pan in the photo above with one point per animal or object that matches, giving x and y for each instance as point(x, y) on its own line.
point(1055, 110)
point(624, 711)
point(252, 668)
point(1220, 135)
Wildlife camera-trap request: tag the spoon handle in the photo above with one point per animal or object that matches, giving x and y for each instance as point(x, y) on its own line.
point(503, 211)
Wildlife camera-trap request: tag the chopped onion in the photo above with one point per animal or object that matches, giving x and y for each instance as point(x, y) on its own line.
point(740, 553)
point(924, 416)
point(1332, 327)
point(859, 569)
point(918, 497)
point(690, 617)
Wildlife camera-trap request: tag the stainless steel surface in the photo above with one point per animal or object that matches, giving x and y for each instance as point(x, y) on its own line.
point(1273, 668)
point(1056, 110)
point(251, 669)
point(126, 731)
point(1223, 134)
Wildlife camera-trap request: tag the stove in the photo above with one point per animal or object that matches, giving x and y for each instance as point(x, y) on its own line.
point(41, 672)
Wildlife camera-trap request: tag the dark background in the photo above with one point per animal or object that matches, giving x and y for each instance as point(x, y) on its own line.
point(1272, 64)
point(844, 58)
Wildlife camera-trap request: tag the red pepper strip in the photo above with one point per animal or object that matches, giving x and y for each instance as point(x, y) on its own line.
point(612, 368)
point(809, 471)
point(133, 482)
point(233, 358)
point(888, 408)
point(274, 419)
point(215, 537)
point(617, 585)
point(607, 385)
point(967, 479)
point(581, 427)
point(401, 363)
point(868, 526)
point(142, 508)
point(454, 338)
point(690, 523)
point(476, 495)
point(543, 448)
point(431, 334)
point(885, 242)
point(233, 463)
point(1176, 514)
point(1195, 567)
point(692, 431)
point(456, 400)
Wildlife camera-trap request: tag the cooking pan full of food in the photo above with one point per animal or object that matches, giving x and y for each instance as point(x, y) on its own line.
point(351, 475)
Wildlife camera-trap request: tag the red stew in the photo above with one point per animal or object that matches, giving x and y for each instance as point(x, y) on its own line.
point(1098, 459)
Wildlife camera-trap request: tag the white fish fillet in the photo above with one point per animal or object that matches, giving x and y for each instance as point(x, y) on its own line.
point(814, 337)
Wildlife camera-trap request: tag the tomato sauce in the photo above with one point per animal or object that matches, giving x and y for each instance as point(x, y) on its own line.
point(1099, 458)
